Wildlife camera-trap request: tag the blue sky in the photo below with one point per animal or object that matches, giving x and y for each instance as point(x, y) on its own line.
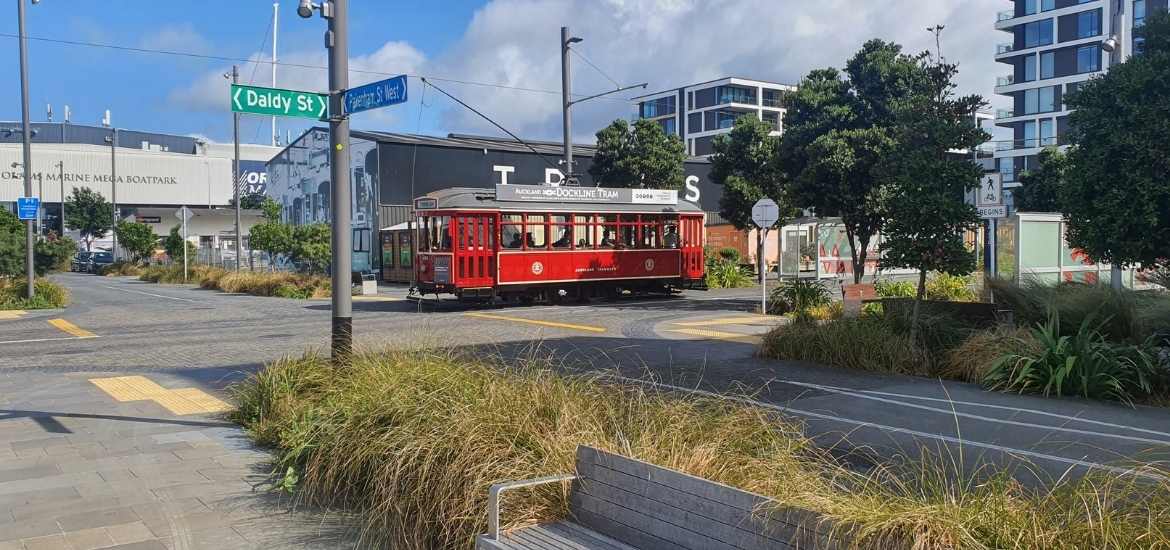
point(507, 42)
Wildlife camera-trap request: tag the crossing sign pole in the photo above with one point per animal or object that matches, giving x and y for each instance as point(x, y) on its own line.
point(765, 213)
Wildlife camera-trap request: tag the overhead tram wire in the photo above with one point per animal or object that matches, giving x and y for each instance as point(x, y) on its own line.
point(255, 66)
point(616, 84)
point(243, 60)
point(494, 123)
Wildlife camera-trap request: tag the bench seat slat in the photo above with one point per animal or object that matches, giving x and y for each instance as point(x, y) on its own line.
point(562, 535)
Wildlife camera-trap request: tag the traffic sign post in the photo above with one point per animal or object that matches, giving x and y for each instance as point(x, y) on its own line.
point(375, 95)
point(765, 214)
point(184, 214)
point(257, 100)
point(27, 208)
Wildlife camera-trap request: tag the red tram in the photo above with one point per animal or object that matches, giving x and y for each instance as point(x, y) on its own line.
point(526, 243)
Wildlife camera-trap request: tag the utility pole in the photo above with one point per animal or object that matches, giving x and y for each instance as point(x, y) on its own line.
point(275, 22)
point(336, 12)
point(114, 186)
point(29, 272)
point(61, 167)
point(567, 104)
point(236, 164)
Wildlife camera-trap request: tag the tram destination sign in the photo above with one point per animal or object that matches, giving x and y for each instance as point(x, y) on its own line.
point(275, 101)
point(598, 195)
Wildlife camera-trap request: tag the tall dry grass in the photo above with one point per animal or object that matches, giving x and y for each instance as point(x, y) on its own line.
point(411, 441)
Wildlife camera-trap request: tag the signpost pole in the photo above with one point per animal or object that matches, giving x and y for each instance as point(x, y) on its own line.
point(184, 216)
point(61, 166)
point(27, 141)
point(337, 39)
point(764, 286)
point(236, 164)
point(114, 187)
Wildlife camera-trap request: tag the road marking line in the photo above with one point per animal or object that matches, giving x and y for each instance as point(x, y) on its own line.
point(753, 320)
point(153, 294)
point(377, 299)
point(70, 328)
point(587, 328)
point(12, 314)
point(716, 334)
point(907, 431)
point(35, 340)
point(950, 412)
point(182, 401)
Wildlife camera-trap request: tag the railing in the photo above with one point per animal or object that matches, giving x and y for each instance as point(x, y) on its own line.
point(1028, 143)
point(1004, 48)
point(778, 102)
point(1005, 15)
point(1005, 80)
point(1004, 113)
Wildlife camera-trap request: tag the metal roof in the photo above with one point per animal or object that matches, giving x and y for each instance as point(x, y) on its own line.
point(465, 141)
point(479, 198)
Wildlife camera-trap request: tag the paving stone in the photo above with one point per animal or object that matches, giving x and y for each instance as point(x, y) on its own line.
point(24, 498)
point(19, 445)
point(143, 545)
point(101, 518)
point(88, 539)
point(29, 529)
point(128, 460)
point(110, 476)
point(11, 545)
point(217, 538)
point(48, 482)
point(203, 452)
point(129, 532)
point(165, 524)
point(32, 472)
point(50, 542)
point(54, 509)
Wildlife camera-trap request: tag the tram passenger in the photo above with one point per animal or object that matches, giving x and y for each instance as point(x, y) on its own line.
point(514, 242)
point(607, 241)
point(530, 242)
point(565, 239)
point(670, 239)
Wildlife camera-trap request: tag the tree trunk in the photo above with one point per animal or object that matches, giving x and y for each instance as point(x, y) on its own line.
point(860, 246)
point(917, 303)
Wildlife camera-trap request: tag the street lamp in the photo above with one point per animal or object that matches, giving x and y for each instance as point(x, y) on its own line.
point(336, 13)
point(27, 143)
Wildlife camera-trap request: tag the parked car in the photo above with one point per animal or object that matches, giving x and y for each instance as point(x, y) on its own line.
point(99, 260)
point(80, 262)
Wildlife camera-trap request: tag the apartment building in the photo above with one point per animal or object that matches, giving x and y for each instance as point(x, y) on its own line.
point(1053, 47)
point(699, 112)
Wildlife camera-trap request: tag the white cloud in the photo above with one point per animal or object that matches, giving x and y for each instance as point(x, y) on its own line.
point(182, 37)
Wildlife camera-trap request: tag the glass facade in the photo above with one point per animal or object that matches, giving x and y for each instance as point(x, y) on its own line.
point(657, 107)
point(1038, 33)
point(735, 94)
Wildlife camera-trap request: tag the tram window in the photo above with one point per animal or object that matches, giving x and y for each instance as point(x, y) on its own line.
point(562, 232)
point(535, 230)
point(441, 234)
point(511, 229)
point(670, 234)
point(583, 231)
point(650, 228)
point(607, 231)
point(424, 231)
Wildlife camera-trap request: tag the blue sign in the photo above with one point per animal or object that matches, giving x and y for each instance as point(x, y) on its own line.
point(26, 207)
point(391, 91)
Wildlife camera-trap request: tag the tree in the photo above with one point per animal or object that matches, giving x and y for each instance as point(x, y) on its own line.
point(173, 245)
point(310, 245)
point(839, 133)
point(1116, 198)
point(1040, 190)
point(249, 201)
point(53, 253)
point(272, 236)
point(90, 213)
point(641, 156)
point(926, 212)
point(745, 164)
point(137, 238)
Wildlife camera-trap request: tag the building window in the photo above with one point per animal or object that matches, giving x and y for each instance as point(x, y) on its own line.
point(1038, 33)
point(1040, 100)
point(1030, 134)
point(1047, 65)
point(1088, 59)
point(1047, 132)
point(1033, 6)
point(657, 107)
point(690, 100)
point(1139, 13)
point(1088, 24)
point(694, 123)
point(1029, 68)
point(773, 98)
point(735, 94)
point(726, 119)
point(773, 119)
point(668, 125)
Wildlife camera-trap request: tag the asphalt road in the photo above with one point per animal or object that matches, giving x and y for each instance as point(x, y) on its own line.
point(696, 342)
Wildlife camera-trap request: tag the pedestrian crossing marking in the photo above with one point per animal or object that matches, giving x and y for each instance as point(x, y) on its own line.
point(717, 334)
point(752, 320)
point(70, 328)
point(179, 402)
point(9, 314)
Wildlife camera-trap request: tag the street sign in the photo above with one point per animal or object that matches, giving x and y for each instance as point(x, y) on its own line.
point(990, 212)
point(27, 207)
point(765, 213)
point(375, 95)
point(990, 190)
point(183, 213)
point(274, 101)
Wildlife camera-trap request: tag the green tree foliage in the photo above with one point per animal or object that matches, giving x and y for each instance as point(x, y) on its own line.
point(250, 201)
point(138, 239)
point(839, 131)
point(310, 246)
point(1116, 195)
point(173, 244)
point(52, 253)
point(926, 213)
point(272, 236)
point(641, 156)
point(88, 212)
point(745, 165)
point(1041, 187)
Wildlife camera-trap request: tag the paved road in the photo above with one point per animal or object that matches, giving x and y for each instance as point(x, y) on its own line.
point(168, 351)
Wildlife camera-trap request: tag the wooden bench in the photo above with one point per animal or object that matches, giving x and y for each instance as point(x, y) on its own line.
point(618, 503)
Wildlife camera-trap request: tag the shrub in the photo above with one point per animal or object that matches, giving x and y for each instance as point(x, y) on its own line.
point(827, 312)
point(1133, 316)
point(121, 269)
point(47, 295)
point(972, 359)
point(729, 254)
point(950, 288)
point(1158, 276)
point(725, 274)
point(865, 343)
point(798, 296)
point(1083, 363)
point(895, 289)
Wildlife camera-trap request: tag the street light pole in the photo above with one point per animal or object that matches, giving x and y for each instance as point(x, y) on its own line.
point(27, 137)
point(114, 187)
point(336, 12)
point(236, 167)
point(61, 167)
point(567, 104)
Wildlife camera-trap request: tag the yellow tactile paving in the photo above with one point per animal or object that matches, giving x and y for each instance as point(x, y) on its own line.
point(66, 326)
point(752, 320)
point(587, 328)
point(377, 299)
point(12, 314)
point(716, 334)
point(179, 402)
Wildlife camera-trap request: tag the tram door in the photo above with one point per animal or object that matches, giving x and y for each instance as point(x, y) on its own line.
point(691, 231)
point(475, 257)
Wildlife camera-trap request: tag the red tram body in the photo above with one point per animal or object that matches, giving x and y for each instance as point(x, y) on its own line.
point(551, 243)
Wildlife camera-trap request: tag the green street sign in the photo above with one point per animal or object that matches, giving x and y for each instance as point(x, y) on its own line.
point(274, 101)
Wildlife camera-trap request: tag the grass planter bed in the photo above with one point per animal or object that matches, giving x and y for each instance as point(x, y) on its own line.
point(257, 283)
point(48, 295)
point(411, 440)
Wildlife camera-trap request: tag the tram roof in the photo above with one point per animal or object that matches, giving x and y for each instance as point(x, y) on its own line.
point(478, 198)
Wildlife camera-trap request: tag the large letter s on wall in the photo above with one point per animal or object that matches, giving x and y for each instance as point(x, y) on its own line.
point(692, 189)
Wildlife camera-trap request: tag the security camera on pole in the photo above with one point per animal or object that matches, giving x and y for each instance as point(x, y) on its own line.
point(765, 213)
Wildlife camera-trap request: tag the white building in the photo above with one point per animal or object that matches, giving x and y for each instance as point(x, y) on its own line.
point(699, 112)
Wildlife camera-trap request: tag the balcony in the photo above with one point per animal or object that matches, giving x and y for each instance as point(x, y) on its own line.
point(1005, 15)
point(1005, 80)
point(1004, 113)
point(1028, 143)
point(1006, 47)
